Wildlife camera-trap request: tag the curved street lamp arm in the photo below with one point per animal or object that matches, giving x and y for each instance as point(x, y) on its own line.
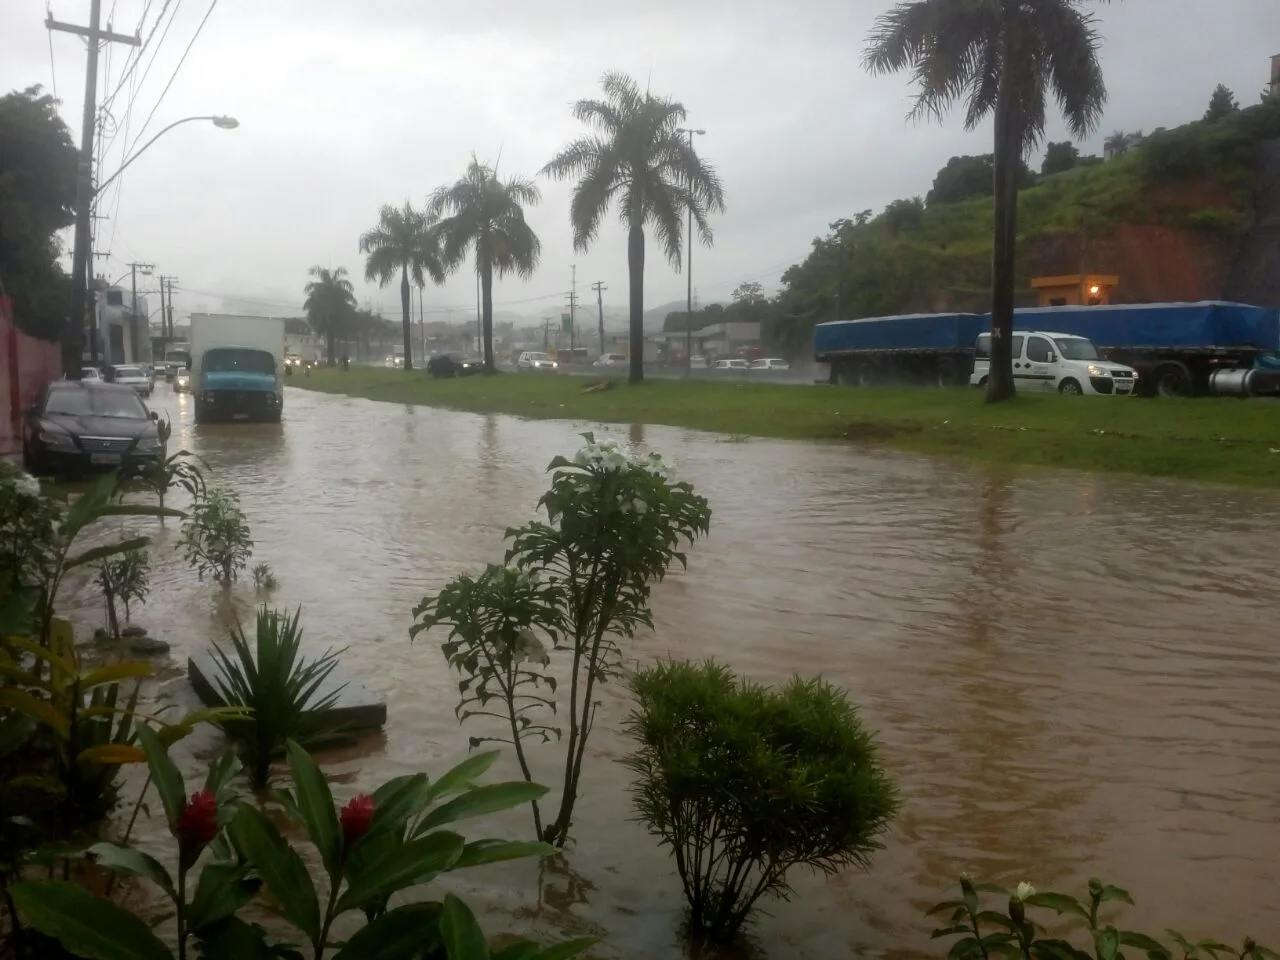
point(137, 153)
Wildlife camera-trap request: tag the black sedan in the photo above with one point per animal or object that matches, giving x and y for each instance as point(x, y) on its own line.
point(453, 365)
point(81, 425)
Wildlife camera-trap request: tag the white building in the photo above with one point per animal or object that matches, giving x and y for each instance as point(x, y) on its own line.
point(124, 333)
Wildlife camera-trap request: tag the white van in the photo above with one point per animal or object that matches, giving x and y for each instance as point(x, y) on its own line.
point(1045, 362)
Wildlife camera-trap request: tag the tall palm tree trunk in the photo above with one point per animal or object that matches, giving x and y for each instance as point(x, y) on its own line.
point(1008, 151)
point(331, 341)
point(635, 275)
point(486, 313)
point(404, 310)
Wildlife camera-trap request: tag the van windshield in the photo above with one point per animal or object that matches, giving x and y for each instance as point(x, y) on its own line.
point(228, 359)
point(1077, 349)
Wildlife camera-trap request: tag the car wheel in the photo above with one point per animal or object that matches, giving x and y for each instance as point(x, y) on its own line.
point(1070, 388)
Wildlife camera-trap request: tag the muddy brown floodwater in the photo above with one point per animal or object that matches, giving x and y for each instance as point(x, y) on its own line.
point(1070, 675)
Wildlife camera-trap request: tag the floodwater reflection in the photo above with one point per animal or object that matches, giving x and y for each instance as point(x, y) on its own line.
point(1070, 675)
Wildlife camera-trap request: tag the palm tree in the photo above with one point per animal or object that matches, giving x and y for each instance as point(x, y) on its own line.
point(638, 156)
point(487, 214)
point(330, 301)
point(403, 242)
point(998, 57)
point(1116, 145)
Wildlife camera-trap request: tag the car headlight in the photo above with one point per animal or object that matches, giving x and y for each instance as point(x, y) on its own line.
point(56, 438)
point(1097, 371)
point(149, 445)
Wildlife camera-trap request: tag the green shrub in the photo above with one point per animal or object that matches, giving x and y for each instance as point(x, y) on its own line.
point(271, 678)
point(216, 537)
point(578, 583)
point(984, 932)
point(124, 579)
point(1215, 220)
point(228, 852)
point(745, 782)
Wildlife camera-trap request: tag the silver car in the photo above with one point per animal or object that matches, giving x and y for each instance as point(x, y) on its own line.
point(533, 362)
point(131, 376)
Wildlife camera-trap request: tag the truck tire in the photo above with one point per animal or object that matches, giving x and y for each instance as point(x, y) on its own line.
point(1070, 388)
point(844, 375)
point(1172, 380)
point(865, 375)
point(946, 374)
point(982, 384)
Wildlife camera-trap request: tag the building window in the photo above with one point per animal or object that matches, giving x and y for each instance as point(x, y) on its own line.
point(115, 298)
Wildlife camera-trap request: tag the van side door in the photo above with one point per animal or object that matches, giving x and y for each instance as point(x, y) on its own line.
point(1041, 365)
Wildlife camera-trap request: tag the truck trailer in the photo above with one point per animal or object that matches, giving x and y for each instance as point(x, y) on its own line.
point(1178, 349)
point(237, 367)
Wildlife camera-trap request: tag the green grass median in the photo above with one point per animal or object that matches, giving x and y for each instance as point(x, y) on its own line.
point(1216, 440)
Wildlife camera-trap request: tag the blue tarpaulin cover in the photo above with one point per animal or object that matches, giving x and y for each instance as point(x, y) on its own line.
point(921, 331)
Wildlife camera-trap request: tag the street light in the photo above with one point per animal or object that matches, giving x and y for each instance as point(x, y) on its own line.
point(688, 316)
point(221, 122)
point(81, 258)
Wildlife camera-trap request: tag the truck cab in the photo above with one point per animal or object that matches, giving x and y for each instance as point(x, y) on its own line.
point(238, 383)
point(1056, 362)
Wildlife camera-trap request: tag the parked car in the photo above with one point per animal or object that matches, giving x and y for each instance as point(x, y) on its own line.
point(730, 365)
point(128, 375)
point(611, 360)
point(770, 363)
point(80, 425)
point(453, 364)
point(90, 373)
point(1049, 362)
point(532, 362)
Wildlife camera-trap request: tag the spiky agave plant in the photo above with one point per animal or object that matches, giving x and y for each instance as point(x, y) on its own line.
point(270, 677)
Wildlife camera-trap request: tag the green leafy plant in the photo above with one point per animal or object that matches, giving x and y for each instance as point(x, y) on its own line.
point(983, 932)
point(28, 531)
point(745, 783)
point(276, 685)
point(216, 538)
point(264, 578)
point(124, 579)
point(496, 618)
point(182, 470)
point(614, 527)
point(372, 848)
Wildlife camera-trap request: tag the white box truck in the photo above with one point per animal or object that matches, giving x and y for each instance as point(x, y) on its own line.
point(237, 367)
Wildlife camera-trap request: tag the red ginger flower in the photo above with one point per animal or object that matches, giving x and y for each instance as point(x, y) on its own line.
point(197, 825)
point(355, 819)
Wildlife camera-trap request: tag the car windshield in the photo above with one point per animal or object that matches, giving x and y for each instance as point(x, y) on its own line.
point(95, 402)
point(238, 360)
point(89, 373)
point(1077, 349)
point(128, 372)
point(177, 356)
point(538, 356)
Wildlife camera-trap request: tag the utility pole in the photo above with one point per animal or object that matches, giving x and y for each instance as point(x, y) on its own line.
point(573, 306)
point(170, 307)
point(599, 287)
point(80, 261)
point(146, 269)
point(164, 327)
point(688, 317)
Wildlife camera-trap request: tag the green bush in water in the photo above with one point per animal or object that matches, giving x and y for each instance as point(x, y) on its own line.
point(745, 782)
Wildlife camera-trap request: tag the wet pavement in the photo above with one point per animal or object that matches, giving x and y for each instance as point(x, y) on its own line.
point(1070, 675)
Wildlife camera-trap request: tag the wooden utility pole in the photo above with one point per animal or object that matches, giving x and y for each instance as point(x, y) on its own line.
point(573, 307)
point(73, 343)
point(146, 269)
point(599, 287)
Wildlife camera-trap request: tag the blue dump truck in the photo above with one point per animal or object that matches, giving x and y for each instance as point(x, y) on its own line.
point(1178, 349)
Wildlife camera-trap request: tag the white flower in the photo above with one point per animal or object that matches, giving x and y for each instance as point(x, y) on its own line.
point(23, 484)
point(1024, 891)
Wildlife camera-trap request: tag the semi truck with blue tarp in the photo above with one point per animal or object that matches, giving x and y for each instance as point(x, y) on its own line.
point(237, 367)
point(1178, 349)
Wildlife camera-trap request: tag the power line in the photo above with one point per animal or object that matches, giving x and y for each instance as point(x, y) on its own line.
point(174, 75)
point(135, 60)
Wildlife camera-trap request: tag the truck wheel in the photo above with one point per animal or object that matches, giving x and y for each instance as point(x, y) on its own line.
point(1070, 388)
point(982, 384)
point(866, 375)
point(947, 374)
point(1172, 380)
point(844, 375)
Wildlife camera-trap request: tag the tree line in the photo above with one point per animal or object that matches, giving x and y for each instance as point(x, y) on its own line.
point(634, 161)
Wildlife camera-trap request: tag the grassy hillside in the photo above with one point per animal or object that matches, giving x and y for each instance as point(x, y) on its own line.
point(1175, 204)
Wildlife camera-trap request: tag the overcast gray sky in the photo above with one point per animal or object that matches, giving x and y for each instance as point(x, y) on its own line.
point(347, 105)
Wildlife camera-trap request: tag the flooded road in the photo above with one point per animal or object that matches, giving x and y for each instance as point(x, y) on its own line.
point(1070, 675)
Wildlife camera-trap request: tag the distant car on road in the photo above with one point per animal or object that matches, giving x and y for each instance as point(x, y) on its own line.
point(128, 375)
point(182, 381)
point(533, 362)
point(770, 363)
point(730, 365)
point(81, 425)
point(91, 373)
point(453, 364)
point(698, 360)
point(611, 360)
